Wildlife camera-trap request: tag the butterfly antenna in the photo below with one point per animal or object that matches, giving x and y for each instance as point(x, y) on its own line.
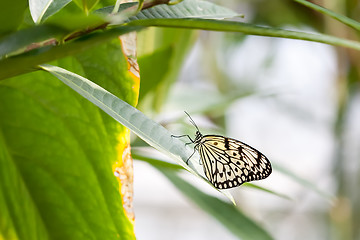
point(192, 121)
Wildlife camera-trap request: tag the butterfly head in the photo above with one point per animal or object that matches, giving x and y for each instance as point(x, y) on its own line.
point(198, 137)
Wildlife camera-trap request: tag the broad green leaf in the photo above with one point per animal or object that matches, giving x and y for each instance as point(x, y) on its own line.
point(227, 214)
point(151, 132)
point(42, 9)
point(57, 151)
point(98, 65)
point(19, 218)
point(341, 18)
point(11, 15)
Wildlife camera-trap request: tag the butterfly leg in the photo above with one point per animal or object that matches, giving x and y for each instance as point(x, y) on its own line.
point(192, 141)
point(187, 161)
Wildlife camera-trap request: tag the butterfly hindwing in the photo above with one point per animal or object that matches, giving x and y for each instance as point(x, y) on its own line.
point(229, 163)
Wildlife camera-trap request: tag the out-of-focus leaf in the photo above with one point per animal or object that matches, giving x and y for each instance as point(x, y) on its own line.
point(251, 185)
point(169, 46)
point(76, 22)
point(155, 162)
point(152, 75)
point(341, 18)
point(227, 214)
point(267, 13)
point(159, 163)
point(303, 182)
point(42, 9)
point(232, 26)
point(110, 9)
point(11, 15)
point(18, 41)
point(56, 178)
point(28, 62)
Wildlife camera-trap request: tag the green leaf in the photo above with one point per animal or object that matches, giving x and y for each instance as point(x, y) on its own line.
point(98, 64)
point(110, 9)
point(56, 153)
point(169, 46)
point(148, 130)
point(19, 216)
point(303, 182)
point(75, 22)
point(246, 28)
point(152, 76)
point(151, 132)
point(251, 185)
point(86, 5)
point(28, 62)
point(341, 18)
point(186, 9)
point(227, 214)
point(42, 9)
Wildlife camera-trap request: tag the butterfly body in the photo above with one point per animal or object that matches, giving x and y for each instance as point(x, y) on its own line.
point(228, 162)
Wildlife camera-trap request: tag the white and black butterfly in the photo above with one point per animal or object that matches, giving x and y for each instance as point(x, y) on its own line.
point(228, 162)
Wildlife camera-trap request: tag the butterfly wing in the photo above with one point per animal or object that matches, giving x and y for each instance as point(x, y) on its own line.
point(229, 163)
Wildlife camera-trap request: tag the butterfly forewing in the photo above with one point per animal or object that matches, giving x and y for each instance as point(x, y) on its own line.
point(229, 163)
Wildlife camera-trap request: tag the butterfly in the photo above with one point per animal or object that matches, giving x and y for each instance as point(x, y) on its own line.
point(228, 162)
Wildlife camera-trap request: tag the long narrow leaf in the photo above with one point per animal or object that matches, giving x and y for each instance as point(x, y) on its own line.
point(246, 28)
point(341, 18)
point(136, 154)
point(303, 182)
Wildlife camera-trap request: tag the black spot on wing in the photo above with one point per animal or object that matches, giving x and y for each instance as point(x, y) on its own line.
point(226, 143)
